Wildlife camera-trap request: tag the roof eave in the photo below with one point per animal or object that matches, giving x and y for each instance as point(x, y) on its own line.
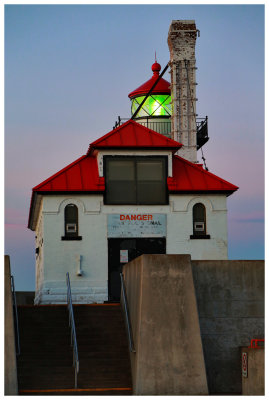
point(34, 210)
point(210, 191)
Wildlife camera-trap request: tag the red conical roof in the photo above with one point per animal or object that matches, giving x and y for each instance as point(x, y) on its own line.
point(162, 87)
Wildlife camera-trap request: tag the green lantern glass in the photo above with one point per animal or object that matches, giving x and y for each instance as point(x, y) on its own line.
point(157, 105)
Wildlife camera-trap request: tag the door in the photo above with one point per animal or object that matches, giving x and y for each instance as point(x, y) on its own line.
point(121, 251)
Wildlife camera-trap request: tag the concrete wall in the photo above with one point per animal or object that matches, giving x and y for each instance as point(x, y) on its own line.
point(11, 383)
point(169, 356)
point(253, 384)
point(56, 257)
point(25, 298)
point(230, 299)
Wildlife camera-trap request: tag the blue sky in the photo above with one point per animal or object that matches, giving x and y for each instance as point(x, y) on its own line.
point(68, 72)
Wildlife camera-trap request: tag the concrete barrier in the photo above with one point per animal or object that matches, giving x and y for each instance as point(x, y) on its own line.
point(169, 356)
point(230, 299)
point(25, 298)
point(253, 381)
point(11, 383)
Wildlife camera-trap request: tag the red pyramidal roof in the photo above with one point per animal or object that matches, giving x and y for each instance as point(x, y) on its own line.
point(162, 87)
point(189, 177)
point(132, 135)
point(81, 175)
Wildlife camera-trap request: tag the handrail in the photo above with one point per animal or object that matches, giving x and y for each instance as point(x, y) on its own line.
point(127, 317)
point(73, 329)
point(15, 312)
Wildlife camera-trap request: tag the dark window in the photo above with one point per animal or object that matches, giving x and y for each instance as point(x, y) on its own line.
point(71, 223)
point(136, 180)
point(199, 222)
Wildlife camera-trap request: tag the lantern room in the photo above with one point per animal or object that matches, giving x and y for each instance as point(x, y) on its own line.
point(153, 110)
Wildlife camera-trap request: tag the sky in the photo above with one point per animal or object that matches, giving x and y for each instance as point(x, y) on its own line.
point(68, 72)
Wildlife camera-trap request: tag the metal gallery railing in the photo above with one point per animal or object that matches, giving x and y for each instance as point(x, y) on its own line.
point(73, 329)
point(15, 314)
point(127, 316)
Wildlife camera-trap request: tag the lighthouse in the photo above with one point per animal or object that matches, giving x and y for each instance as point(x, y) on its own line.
point(153, 110)
point(137, 190)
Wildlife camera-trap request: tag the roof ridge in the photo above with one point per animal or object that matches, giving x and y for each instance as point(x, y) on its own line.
point(104, 140)
point(107, 135)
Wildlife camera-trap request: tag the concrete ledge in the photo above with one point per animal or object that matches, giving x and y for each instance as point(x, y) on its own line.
point(11, 383)
point(253, 383)
point(169, 356)
point(230, 299)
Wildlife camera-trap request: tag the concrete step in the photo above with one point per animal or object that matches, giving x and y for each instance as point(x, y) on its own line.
point(127, 391)
point(45, 362)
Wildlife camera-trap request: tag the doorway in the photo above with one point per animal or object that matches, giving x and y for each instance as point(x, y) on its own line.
point(121, 251)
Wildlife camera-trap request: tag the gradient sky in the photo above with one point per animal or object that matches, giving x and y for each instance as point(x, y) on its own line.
point(68, 72)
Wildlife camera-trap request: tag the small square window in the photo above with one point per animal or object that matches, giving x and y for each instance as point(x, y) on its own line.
point(199, 226)
point(71, 228)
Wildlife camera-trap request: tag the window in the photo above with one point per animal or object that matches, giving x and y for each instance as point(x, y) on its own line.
point(71, 223)
point(136, 180)
point(199, 222)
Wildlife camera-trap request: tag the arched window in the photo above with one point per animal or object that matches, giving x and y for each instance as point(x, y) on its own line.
point(199, 222)
point(71, 223)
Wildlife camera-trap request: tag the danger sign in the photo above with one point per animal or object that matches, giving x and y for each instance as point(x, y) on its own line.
point(136, 225)
point(244, 364)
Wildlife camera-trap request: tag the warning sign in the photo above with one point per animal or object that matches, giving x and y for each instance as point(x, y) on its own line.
point(244, 364)
point(124, 256)
point(136, 225)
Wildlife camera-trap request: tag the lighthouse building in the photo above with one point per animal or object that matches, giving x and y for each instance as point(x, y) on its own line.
point(137, 190)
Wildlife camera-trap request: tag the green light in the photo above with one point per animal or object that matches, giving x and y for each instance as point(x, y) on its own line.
point(155, 106)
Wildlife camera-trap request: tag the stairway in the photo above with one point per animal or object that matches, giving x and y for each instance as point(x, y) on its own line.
point(45, 363)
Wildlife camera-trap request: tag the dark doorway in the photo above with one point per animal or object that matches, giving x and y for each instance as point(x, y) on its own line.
point(121, 251)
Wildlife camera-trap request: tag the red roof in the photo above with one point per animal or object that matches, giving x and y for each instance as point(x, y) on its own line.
point(132, 135)
point(162, 87)
point(81, 175)
point(189, 177)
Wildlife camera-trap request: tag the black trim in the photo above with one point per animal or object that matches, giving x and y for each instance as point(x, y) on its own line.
point(70, 192)
point(71, 238)
point(132, 148)
point(227, 192)
point(145, 93)
point(154, 117)
point(200, 237)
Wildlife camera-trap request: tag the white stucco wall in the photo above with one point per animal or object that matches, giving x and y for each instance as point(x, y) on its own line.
point(58, 256)
point(39, 241)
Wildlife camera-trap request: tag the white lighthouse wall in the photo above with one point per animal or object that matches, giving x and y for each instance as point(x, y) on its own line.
point(180, 227)
point(39, 241)
point(91, 253)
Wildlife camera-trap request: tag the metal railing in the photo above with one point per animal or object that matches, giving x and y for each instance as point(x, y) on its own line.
point(15, 314)
point(127, 317)
point(164, 127)
point(73, 329)
point(202, 131)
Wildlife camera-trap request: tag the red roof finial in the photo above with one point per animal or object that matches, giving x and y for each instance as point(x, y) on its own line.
point(162, 87)
point(156, 67)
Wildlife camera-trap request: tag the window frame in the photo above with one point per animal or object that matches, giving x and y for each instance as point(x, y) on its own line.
point(196, 233)
point(71, 235)
point(135, 159)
